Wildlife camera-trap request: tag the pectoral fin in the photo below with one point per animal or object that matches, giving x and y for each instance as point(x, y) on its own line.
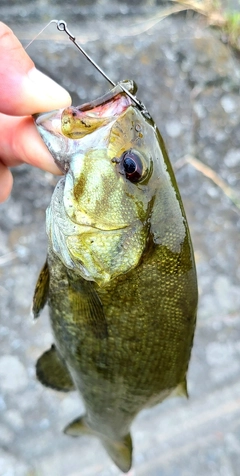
point(41, 291)
point(119, 451)
point(86, 303)
point(52, 372)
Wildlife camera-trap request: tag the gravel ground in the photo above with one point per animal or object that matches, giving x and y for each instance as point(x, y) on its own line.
point(189, 80)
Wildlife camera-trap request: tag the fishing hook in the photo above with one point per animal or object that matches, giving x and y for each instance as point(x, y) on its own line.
point(62, 26)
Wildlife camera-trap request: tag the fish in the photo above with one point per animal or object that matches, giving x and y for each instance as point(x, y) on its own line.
point(120, 278)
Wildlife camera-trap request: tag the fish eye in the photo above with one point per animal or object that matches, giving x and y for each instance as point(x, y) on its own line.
point(132, 165)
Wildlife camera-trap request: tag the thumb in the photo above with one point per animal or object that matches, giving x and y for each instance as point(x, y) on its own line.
point(23, 89)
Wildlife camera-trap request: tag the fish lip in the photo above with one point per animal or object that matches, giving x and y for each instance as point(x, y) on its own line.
point(47, 115)
point(129, 85)
point(49, 121)
point(52, 121)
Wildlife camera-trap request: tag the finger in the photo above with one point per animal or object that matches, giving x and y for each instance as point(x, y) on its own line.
point(6, 182)
point(21, 143)
point(24, 89)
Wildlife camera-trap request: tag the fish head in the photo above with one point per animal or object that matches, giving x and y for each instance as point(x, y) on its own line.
point(100, 215)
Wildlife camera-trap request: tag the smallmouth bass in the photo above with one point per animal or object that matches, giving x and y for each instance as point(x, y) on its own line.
point(120, 278)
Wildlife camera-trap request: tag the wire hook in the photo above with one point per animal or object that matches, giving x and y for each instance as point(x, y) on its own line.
point(62, 26)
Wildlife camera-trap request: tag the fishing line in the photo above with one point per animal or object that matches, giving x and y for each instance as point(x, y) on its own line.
point(40, 32)
point(62, 26)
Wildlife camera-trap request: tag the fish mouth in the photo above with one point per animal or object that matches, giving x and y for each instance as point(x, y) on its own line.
point(129, 85)
point(108, 106)
point(68, 131)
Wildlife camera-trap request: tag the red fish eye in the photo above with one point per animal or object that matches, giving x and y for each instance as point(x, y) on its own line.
point(132, 166)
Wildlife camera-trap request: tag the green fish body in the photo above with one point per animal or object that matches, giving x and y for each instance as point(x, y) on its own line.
point(120, 277)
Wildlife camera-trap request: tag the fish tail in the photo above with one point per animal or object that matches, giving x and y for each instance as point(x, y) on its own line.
point(120, 452)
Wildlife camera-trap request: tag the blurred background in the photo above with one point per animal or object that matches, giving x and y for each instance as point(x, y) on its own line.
point(188, 76)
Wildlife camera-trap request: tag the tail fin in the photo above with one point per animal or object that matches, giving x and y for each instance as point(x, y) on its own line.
point(120, 452)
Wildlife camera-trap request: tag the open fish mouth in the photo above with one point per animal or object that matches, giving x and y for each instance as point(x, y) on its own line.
point(78, 123)
point(99, 112)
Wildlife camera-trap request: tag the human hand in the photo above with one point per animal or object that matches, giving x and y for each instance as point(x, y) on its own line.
point(23, 91)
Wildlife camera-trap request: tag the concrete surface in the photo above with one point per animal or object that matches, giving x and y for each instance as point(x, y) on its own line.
point(189, 80)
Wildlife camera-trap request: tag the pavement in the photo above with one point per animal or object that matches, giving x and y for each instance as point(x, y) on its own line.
point(189, 80)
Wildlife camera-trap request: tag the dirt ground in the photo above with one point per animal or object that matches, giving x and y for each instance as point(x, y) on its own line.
point(189, 81)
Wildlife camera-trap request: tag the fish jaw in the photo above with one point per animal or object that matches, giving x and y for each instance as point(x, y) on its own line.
point(50, 130)
point(56, 127)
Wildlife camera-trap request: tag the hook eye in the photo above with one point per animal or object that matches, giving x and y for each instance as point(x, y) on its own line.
point(62, 26)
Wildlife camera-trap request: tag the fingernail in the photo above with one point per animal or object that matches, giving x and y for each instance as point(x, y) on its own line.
point(49, 91)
